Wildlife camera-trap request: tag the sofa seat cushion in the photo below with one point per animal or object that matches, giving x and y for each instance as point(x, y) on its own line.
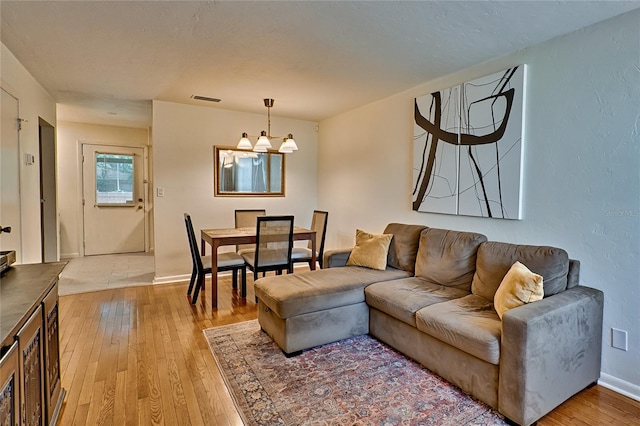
point(469, 324)
point(312, 291)
point(402, 298)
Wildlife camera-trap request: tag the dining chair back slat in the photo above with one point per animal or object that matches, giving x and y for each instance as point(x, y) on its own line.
point(245, 218)
point(274, 242)
point(318, 224)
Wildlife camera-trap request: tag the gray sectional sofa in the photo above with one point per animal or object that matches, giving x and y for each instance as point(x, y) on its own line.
point(434, 303)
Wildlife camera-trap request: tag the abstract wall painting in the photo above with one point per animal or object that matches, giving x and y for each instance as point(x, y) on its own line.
point(467, 150)
point(435, 150)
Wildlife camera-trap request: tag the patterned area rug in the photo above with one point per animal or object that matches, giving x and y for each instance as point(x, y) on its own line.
point(358, 381)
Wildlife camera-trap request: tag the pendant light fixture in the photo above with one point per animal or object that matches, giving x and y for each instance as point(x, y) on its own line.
point(264, 140)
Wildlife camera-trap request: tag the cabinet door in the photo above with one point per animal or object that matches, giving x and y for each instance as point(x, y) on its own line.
point(9, 395)
point(51, 353)
point(30, 342)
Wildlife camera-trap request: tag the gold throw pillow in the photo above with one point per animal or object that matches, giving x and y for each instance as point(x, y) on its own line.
point(370, 251)
point(518, 287)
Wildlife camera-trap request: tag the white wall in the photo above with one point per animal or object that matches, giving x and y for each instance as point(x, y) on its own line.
point(34, 102)
point(70, 136)
point(183, 140)
point(581, 173)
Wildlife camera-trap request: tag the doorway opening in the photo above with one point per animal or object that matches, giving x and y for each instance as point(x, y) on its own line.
point(10, 201)
point(48, 193)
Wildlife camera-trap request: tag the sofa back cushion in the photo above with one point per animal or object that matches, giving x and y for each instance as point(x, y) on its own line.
point(448, 257)
point(404, 245)
point(573, 279)
point(495, 259)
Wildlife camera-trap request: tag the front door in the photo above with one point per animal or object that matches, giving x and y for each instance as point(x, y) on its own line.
point(114, 214)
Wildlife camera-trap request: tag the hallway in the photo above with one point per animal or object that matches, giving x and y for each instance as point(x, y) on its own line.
point(107, 272)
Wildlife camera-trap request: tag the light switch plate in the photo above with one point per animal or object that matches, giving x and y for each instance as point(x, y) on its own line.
point(160, 192)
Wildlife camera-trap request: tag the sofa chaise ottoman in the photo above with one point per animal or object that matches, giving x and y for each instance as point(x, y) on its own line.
point(303, 310)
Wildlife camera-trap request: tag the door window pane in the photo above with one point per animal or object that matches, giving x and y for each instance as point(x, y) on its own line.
point(114, 179)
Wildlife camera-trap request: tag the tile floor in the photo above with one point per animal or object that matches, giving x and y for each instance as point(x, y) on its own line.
point(93, 273)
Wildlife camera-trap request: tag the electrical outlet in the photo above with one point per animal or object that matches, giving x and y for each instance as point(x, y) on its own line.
point(619, 339)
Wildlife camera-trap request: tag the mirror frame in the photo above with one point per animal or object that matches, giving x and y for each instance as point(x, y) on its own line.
point(216, 175)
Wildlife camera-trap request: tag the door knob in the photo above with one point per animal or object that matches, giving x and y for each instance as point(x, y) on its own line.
point(5, 229)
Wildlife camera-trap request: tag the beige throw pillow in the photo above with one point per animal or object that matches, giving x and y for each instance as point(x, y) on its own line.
point(370, 250)
point(518, 287)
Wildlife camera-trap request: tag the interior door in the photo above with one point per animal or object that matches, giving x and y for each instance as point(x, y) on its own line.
point(114, 214)
point(48, 200)
point(10, 176)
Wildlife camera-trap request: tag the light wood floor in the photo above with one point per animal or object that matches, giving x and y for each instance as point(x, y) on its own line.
point(138, 356)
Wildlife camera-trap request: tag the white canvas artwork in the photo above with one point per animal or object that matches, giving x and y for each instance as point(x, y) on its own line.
point(436, 150)
point(468, 147)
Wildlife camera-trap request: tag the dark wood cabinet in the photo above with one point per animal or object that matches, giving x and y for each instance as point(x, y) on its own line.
point(9, 387)
point(52, 386)
point(31, 392)
point(30, 342)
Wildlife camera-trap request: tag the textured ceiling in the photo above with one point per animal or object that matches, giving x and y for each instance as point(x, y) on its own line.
point(104, 61)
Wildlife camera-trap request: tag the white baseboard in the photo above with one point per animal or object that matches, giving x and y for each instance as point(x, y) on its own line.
point(69, 256)
point(620, 386)
point(171, 279)
point(179, 278)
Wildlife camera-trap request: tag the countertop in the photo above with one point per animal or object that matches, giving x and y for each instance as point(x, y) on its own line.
point(22, 288)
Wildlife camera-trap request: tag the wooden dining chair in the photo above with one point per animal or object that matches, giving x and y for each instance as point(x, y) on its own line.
point(227, 261)
point(304, 254)
point(245, 219)
point(274, 241)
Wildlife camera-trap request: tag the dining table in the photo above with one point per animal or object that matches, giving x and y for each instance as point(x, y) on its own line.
point(218, 237)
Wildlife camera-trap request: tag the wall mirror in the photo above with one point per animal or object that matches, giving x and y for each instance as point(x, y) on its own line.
point(248, 173)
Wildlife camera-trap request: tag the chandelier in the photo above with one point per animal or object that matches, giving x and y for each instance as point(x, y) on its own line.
point(264, 140)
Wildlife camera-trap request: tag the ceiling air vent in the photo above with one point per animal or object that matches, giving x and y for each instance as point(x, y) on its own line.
point(204, 98)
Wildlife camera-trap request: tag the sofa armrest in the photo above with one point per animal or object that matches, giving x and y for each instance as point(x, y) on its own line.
point(550, 350)
point(336, 258)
